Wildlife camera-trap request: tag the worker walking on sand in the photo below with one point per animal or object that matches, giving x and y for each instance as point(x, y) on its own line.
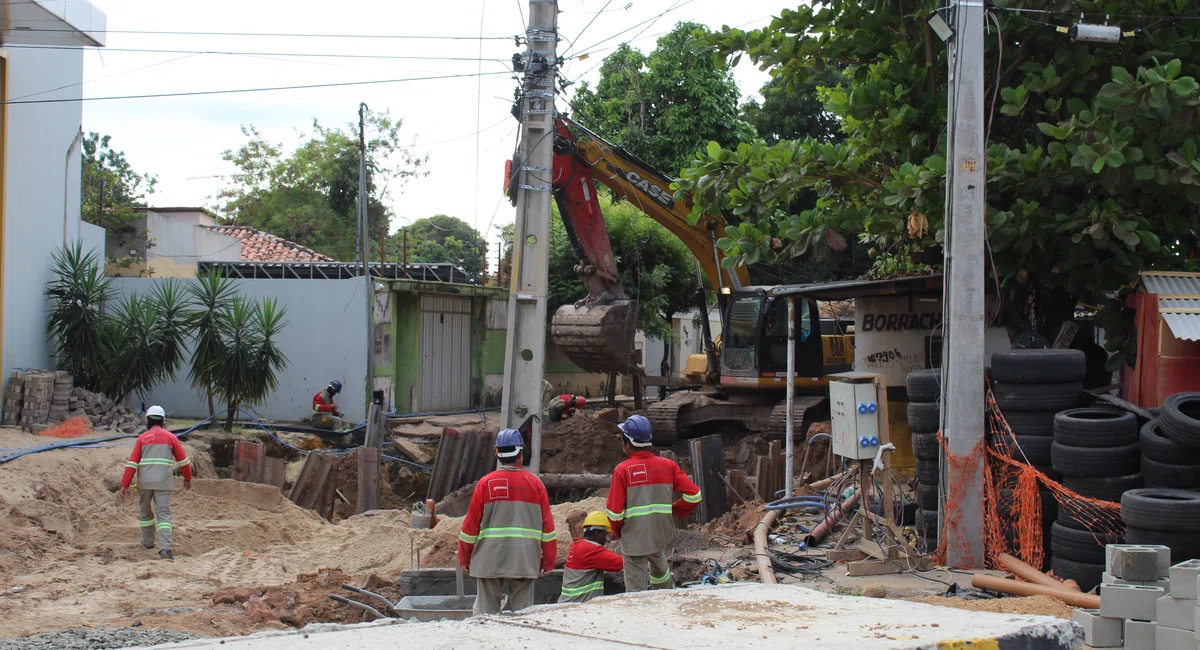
point(155, 455)
point(640, 507)
point(587, 560)
point(507, 539)
point(326, 414)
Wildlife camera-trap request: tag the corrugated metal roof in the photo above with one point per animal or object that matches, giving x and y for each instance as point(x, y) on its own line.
point(1184, 289)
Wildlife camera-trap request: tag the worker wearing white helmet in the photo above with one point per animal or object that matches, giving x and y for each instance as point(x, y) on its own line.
point(155, 456)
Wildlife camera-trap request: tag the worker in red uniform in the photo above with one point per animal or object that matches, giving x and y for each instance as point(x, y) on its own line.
point(587, 560)
point(564, 406)
point(325, 414)
point(507, 540)
point(640, 507)
point(155, 455)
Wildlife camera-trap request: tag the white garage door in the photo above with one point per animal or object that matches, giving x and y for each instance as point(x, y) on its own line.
point(445, 353)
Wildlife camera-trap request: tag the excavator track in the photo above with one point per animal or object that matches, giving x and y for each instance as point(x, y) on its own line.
point(664, 417)
point(806, 409)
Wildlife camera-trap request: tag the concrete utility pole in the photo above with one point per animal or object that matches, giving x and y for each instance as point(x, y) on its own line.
point(525, 354)
point(963, 392)
point(363, 241)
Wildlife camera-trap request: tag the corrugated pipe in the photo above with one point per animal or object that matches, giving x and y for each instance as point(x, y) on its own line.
point(765, 574)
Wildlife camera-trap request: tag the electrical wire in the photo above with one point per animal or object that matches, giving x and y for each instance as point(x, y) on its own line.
point(268, 34)
point(198, 93)
point(117, 74)
point(585, 27)
point(317, 55)
point(678, 4)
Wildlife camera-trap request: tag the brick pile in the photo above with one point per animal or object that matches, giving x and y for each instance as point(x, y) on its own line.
point(39, 399)
point(39, 392)
point(103, 412)
point(60, 398)
point(14, 399)
point(1145, 603)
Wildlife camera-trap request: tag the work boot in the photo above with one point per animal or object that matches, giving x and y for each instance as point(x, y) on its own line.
point(166, 554)
point(148, 547)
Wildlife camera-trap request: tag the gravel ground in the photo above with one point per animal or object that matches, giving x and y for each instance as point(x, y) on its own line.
point(82, 638)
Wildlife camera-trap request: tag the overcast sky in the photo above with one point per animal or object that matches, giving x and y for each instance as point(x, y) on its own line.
point(181, 139)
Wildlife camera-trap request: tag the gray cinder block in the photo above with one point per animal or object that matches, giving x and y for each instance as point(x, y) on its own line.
point(1109, 579)
point(1169, 638)
point(1179, 613)
point(1112, 551)
point(1130, 601)
point(1183, 579)
point(1098, 631)
point(1139, 635)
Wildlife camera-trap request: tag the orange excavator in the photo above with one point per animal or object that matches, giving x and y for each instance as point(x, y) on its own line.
point(742, 377)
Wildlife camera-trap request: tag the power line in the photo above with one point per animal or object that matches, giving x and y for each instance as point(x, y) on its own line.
point(675, 6)
point(273, 34)
point(585, 27)
point(235, 53)
point(117, 74)
point(249, 90)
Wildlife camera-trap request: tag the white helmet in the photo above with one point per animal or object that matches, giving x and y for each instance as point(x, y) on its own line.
point(156, 412)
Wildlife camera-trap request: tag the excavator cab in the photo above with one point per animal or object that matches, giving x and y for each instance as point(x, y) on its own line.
point(756, 331)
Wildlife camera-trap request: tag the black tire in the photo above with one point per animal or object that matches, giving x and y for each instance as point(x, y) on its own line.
point(923, 416)
point(927, 497)
point(928, 472)
point(1050, 472)
point(1180, 419)
point(1104, 488)
point(1037, 397)
point(1158, 447)
point(1163, 475)
point(1034, 450)
point(1080, 545)
point(1095, 427)
point(925, 446)
point(927, 522)
point(1039, 366)
point(1068, 516)
point(1184, 546)
point(1086, 574)
point(1030, 423)
point(1098, 462)
point(1162, 509)
point(924, 385)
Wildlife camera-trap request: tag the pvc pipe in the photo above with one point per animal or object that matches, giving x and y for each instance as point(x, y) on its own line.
point(1028, 573)
point(1015, 588)
point(833, 519)
point(760, 548)
point(826, 482)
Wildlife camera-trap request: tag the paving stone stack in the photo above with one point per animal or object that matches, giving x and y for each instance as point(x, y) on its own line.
point(61, 397)
point(14, 399)
point(103, 412)
point(924, 392)
point(39, 392)
point(1145, 603)
point(1165, 516)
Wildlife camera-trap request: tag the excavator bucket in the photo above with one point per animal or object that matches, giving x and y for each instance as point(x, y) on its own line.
point(597, 338)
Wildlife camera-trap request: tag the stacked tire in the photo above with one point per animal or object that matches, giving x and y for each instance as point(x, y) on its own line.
point(1096, 451)
point(1164, 516)
point(924, 392)
point(1171, 444)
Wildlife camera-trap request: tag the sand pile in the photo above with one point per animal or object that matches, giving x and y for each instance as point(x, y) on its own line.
point(580, 445)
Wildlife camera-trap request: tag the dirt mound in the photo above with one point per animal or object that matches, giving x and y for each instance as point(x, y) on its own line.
point(1029, 605)
point(738, 524)
point(581, 445)
point(398, 486)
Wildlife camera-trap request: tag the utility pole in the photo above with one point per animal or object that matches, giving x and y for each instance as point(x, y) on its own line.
point(363, 238)
point(963, 382)
point(525, 351)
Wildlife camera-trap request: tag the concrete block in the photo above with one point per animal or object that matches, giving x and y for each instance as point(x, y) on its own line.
point(1130, 601)
point(1169, 638)
point(1114, 551)
point(1137, 564)
point(1183, 579)
point(1099, 631)
point(1179, 613)
point(1139, 635)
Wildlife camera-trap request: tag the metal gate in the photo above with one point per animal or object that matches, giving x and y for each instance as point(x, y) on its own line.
point(445, 353)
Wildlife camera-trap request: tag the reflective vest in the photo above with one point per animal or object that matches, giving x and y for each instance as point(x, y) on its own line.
point(323, 403)
point(640, 502)
point(508, 531)
point(155, 455)
point(583, 575)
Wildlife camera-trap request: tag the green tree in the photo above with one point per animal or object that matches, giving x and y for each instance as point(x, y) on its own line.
point(794, 111)
point(77, 325)
point(665, 106)
point(112, 191)
point(310, 195)
point(248, 360)
point(442, 239)
point(1078, 202)
point(210, 295)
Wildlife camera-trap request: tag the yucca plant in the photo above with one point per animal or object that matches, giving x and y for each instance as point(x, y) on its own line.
point(77, 324)
point(172, 303)
point(210, 297)
point(135, 346)
point(248, 359)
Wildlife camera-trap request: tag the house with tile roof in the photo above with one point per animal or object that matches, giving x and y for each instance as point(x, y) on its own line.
point(259, 246)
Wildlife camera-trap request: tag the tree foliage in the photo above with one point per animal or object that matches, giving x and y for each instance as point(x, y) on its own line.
point(310, 195)
point(112, 190)
point(793, 110)
point(443, 239)
point(1087, 181)
point(665, 105)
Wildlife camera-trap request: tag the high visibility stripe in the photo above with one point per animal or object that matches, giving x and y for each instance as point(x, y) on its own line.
point(692, 498)
point(523, 533)
point(163, 526)
point(550, 536)
point(571, 592)
point(470, 539)
point(614, 516)
point(157, 461)
point(188, 461)
point(146, 523)
point(652, 509)
point(661, 579)
point(130, 463)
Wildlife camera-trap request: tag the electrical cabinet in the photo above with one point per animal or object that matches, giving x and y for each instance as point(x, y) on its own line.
point(856, 413)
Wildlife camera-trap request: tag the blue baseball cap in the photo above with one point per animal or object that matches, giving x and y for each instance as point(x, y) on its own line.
point(637, 431)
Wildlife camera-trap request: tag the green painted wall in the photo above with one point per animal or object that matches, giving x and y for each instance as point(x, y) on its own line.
point(406, 344)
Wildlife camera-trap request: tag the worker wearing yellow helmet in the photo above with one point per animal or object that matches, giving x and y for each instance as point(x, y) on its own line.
point(587, 560)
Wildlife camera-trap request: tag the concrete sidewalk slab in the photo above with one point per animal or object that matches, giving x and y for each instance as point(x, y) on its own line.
point(741, 615)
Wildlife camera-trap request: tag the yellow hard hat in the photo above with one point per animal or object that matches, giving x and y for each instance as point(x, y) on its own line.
point(597, 519)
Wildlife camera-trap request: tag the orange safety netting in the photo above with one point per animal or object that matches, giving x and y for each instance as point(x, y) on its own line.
point(1012, 500)
point(72, 428)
